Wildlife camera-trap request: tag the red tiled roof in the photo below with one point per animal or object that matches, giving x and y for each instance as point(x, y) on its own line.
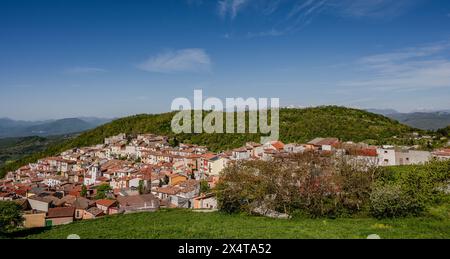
point(367, 152)
point(105, 202)
point(277, 144)
point(324, 141)
point(168, 190)
point(442, 152)
point(136, 200)
point(61, 212)
point(209, 156)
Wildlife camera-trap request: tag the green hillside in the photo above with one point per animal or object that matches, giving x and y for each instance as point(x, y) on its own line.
point(13, 149)
point(296, 125)
point(185, 224)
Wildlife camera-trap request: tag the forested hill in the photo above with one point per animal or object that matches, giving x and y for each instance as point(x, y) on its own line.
point(296, 125)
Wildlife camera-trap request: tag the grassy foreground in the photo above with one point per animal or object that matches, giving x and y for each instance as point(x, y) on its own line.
point(183, 224)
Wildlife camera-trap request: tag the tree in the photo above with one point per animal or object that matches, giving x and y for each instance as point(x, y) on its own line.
point(102, 191)
point(204, 187)
point(166, 179)
point(141, 187)
point(318, 185)
point(83, 192)
point(160, 183)
point(10, 216)
point(173, 142)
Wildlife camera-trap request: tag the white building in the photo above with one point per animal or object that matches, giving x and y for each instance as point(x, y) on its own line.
point(411, 157)
point(390, 156)
point(386, 156)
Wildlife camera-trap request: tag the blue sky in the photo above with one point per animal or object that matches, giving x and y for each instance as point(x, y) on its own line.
point(113, 58)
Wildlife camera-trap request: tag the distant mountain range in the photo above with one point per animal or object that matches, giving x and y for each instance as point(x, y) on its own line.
point(426, 120)
point(13, 128)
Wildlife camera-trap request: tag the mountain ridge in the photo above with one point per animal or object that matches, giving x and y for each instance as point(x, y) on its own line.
point(424, 120)
point(10, 128)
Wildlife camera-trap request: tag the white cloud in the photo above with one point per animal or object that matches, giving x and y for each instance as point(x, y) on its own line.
point(411, 69)
point(300, 13)
point(184, 60)
point(373, 8)
point(84, 70)
point(231, 7)
point(272, 32)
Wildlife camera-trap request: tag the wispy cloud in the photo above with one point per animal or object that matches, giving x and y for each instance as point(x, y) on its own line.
point(299, 13)
point(184, 60)
point(84, 70)
point(384, 9)
point(230, 8)
point(271, 32)
point(411, 69)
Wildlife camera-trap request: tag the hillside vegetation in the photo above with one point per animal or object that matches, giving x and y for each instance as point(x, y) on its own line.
point(13, 149)
point(186, 224)
point(296, 125)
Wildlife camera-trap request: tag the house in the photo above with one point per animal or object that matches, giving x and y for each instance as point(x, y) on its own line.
point(54, 181)
point(411, 157)
point(34, 219)
point(367, 156)
point(80, 204)
point(93, 213)
point(256, 148)
point(92, 175)
point(386, 156)
point(216, 165)
point(166, 192)
point(242, 153)
point(7, 196)
point(275, 145)
point(145, 202)
point(324, 144)
point(106, 205)
point(115, 139)
point(23, 203)
point(391, 156)
point(60, 216)
point(178, 201)
point(176, 179)
point(205, 201)
point(43, 203)
point(443, 154)
point(295, 148)
point(268, 154)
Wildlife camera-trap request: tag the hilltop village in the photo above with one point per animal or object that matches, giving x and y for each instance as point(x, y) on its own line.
point(144, 172)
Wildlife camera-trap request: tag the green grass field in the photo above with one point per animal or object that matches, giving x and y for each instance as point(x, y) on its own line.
point(183, 224)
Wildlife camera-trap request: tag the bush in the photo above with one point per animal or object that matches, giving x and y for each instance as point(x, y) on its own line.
point(422, 186)
point(10, 216)
point(389, 201)
point(313, 184)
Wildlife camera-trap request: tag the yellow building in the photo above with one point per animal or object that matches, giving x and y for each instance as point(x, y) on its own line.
point(35, 220)
point(176, 179)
